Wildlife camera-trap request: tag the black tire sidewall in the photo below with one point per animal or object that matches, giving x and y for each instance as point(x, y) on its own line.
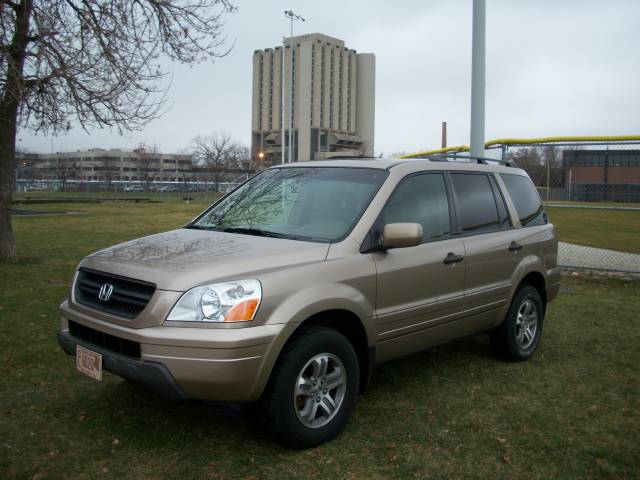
point(515, 351)
point(279, 398)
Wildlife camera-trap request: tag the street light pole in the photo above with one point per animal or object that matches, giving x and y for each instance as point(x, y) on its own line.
point(292, 16)
point(478, 78)
point(284, 46)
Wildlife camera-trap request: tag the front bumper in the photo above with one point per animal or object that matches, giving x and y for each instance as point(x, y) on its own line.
point(219, 364)
point(155, 375)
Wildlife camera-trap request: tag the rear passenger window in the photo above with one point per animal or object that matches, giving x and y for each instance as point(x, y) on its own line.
point(525, 198)
point(476, 203)
point(421, 199)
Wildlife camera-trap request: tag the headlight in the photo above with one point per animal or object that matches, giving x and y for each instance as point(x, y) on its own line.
point(219, 302)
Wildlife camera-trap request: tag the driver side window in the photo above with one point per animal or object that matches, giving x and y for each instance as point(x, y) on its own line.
point(421, 199)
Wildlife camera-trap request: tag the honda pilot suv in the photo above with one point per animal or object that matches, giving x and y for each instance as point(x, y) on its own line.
point(291, 288)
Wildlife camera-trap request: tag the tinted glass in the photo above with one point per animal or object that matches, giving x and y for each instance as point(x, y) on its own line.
point(525, 198)
point(505, 221)
point(476, 203)
point(421, 199)
point(306, 203)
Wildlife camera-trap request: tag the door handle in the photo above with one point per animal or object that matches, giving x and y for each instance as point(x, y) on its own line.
point(452, 258)
point(514, 247)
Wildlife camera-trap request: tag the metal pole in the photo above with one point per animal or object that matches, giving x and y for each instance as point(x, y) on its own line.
point(292, 16)
point(478, 78)
point(284, 46)
point(570, 180)
point(548, 176)
point(444, 134)
point(291, 91)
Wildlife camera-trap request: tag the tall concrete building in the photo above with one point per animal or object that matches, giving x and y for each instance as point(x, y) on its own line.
point(333, 100)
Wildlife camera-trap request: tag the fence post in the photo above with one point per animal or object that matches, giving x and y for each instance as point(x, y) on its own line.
point(548, 175)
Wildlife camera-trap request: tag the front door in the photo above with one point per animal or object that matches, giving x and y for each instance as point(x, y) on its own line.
point(419, 289)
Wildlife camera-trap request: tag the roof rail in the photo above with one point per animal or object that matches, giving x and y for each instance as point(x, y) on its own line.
point(349, 157)
point(452, 157)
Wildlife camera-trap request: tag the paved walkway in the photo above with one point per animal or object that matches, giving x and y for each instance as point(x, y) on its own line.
point(579, 256)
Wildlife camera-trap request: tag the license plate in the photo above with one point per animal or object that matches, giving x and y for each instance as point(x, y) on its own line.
point(88, 362)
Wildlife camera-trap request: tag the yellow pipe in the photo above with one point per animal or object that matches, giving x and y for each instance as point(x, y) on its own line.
point(459, 148)
point(528, 141)
point(566, 138)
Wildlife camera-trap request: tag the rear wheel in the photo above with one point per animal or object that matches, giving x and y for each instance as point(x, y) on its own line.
point(313, 389)
point(518, 336)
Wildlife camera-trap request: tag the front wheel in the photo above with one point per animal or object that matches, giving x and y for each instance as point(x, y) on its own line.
point(518, 336)
point(313, 389)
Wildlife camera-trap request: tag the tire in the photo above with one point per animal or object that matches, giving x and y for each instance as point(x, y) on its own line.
point(526, 314)
point(314, 413)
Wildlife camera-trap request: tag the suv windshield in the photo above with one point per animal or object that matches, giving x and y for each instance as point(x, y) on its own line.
point(305, 203)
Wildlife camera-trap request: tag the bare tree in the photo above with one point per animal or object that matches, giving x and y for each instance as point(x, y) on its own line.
point(145, 158)
point(243, 160)
point(217, 152)
point(95, 62)
point(542, 163)
point(65, 168)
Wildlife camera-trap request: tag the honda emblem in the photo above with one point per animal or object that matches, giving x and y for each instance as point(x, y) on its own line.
point(105, 292)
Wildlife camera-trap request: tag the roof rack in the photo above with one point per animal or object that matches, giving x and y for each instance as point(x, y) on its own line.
point(349, 157)
point(448, 157)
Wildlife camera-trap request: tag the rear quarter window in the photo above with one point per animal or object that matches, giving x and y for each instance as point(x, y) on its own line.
point(526, 199)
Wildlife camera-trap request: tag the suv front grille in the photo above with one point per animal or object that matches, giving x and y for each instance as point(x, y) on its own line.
point(128, 297)
point(104, 340)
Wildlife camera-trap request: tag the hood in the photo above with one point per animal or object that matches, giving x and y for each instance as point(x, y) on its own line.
point(181, 259)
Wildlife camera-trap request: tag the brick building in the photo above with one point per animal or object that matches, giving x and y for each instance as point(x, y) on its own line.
point(602, 175)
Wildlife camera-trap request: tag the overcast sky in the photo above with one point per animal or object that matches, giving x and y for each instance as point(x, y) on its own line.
point(553, 68)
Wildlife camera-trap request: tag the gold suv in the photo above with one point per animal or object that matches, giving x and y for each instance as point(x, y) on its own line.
point(289, 289)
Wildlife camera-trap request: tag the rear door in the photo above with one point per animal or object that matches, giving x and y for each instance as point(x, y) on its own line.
point(417, 292)
point(485, 228)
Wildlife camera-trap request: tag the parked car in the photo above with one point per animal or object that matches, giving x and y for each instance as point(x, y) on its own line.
point(289, 290)
point(168, 188)
point(134, 188)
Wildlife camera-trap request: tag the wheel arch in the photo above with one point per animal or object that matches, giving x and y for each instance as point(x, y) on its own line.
point(536, 280)
point(343, 321)
point(351, 326)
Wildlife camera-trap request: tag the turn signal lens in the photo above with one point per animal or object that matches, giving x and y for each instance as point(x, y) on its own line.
point(242, 312)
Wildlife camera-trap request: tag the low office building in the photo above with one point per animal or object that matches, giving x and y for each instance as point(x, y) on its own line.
point(102, 165)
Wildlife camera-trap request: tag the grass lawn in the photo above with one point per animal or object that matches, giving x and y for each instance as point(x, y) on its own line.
point(573, 411)
point(613, 229)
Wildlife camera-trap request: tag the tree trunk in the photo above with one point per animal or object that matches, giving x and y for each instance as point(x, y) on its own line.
point(7, 155)
point(9, 105)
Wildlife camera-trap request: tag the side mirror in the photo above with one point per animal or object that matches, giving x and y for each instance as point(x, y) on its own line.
point(400, 235)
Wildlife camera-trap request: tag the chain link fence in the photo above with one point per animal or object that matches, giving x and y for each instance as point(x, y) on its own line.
point(37, 185)
point(591, 191)
point(579, 171)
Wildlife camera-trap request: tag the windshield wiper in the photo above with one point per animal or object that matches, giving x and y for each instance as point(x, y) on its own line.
point(199, 227)
point(253, 231)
